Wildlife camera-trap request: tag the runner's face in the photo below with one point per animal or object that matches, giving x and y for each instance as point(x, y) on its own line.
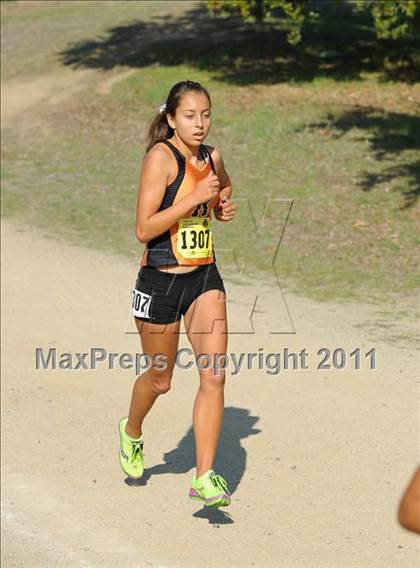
point(193, 118)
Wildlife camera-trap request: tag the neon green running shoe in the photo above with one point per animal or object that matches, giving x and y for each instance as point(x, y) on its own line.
point(210, 489)
point(131, 452)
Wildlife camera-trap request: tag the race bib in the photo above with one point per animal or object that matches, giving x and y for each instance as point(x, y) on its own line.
point(141, 304)
point(195, 237)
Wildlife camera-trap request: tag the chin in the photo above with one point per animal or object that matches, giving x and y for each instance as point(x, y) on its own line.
point(198, 141)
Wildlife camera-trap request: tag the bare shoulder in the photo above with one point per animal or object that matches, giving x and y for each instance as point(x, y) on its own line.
point(216, 156)
point(159, 163)
point(158, 154)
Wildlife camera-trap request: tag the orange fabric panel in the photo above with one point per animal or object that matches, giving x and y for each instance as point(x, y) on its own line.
point(192, 176)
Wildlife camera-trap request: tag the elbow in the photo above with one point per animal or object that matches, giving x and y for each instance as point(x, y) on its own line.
point(401, 516)
point(408, 518)
point(141, 236)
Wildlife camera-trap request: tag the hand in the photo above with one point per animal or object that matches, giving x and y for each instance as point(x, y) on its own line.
point(206, 189)
point(226, 210)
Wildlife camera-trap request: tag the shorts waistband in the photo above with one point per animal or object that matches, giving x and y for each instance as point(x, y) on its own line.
point(179, 274)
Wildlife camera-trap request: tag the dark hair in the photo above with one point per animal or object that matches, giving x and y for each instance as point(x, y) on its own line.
point(159, 128)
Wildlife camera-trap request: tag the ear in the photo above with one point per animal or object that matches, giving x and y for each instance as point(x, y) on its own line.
point(170, 121)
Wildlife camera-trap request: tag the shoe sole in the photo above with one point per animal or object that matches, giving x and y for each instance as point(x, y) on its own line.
point(119, 455)
point(213, 502)
point(129, 475)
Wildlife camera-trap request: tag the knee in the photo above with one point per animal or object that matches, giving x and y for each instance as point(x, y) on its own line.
point(208, 379)
point(160, 380)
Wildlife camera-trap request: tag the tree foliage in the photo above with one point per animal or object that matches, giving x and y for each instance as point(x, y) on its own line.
point(392, 19)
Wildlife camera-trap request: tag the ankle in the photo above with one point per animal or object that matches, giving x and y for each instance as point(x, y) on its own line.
point(200, 472)
point(132, 433)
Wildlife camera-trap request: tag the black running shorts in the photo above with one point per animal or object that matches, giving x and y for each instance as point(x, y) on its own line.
point(162, 297)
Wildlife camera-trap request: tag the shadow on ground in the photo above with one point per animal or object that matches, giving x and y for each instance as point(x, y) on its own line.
point(339, 45)
point(230, 460)
point(390, 134)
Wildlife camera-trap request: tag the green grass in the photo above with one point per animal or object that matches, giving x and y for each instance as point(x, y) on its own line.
point(350, 170)
point(33, 34)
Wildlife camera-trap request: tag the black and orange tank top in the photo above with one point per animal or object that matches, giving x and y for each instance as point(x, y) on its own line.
point(190, 240)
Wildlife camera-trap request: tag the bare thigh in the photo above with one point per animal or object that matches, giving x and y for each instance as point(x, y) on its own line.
point(160, 339)
point(206, 323)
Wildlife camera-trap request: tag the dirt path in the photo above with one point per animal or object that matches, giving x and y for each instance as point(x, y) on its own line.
point(50, 89)
point(316, 459)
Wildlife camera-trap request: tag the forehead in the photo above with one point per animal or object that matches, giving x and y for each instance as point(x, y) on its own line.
point(194, 100)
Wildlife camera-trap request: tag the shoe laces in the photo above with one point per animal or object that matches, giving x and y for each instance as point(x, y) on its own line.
point(136, 449)
point(219, 482)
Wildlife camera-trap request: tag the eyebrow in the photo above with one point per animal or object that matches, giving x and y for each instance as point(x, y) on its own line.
point(193, 110)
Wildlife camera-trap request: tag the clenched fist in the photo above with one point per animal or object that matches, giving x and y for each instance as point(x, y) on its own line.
point(226, 210)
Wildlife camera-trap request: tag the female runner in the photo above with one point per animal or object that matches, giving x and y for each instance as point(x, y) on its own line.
point(182, 181)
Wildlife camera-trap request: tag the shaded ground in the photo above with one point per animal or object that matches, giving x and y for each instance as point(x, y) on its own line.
point(340, 45)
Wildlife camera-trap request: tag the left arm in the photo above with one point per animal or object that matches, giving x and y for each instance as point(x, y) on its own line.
point(225, 210)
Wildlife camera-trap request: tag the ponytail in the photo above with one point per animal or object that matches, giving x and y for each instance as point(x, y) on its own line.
point(159, 130)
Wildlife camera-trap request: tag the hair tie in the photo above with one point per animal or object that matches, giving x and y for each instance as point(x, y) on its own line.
point(162, 108)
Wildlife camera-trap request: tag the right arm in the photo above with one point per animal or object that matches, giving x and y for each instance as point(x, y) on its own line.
point(150, 222)
point(409, 508)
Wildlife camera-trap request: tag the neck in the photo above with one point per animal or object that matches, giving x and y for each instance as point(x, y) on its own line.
point(188, 151)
